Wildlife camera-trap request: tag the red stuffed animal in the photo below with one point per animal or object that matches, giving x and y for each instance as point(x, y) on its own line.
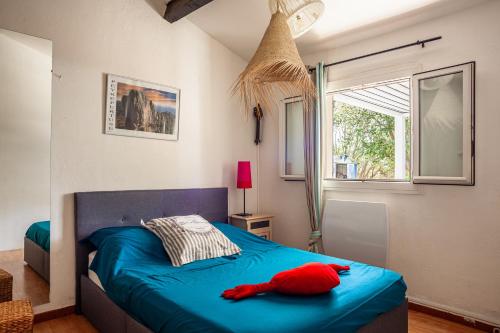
point(309, 279)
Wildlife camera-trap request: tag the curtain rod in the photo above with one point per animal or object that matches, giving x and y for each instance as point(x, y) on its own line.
point(418, 42)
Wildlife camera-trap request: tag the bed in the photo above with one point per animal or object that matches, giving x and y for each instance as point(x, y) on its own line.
point(37, 248)
point(159, 298)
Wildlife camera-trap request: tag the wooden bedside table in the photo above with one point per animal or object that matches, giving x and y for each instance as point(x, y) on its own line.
point(258, 224)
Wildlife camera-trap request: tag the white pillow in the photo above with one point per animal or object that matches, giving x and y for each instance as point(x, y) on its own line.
point(190, 238)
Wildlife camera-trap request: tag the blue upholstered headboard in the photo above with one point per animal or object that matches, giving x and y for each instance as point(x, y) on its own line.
point(97, 210)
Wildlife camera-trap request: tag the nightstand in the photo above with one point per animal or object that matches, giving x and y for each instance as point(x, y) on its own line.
point(258, 224)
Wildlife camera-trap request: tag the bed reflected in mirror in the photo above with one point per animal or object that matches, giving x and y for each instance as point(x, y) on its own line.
point(25, 126)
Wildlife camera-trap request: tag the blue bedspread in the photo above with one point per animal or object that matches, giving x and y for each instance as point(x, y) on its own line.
point(39, 233)
point(136, 273)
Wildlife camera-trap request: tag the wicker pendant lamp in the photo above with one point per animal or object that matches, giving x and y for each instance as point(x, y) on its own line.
point(276, 69)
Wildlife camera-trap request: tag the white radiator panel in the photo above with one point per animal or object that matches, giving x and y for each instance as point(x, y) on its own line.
point(356, 230)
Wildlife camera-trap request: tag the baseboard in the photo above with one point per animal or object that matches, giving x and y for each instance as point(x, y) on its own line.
point(53, 314)
point(457, 318)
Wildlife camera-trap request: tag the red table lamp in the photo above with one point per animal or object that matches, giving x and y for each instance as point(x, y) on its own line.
point(244, 181)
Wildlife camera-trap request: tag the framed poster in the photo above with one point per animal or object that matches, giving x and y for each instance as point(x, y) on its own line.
point(141, 109)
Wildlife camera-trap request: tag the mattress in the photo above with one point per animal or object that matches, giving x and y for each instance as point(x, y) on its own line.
point(39, 233)
point(137, 275)
point(91, 274)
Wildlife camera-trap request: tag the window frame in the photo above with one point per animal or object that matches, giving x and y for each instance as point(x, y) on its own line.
point(351, 76)
point(283, 141)
point(468, 114)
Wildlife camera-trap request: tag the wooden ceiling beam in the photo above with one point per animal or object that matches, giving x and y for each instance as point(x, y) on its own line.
point(177, 9)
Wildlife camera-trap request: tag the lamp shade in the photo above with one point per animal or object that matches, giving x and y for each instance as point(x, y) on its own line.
point(244, 175)
point(275, 70)
point(301, 14)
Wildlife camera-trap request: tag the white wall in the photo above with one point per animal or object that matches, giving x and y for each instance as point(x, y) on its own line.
point(130, 38)
point(445, 240)
point(25, 95)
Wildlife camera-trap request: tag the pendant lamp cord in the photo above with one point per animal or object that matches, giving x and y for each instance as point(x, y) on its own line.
point(278, 6)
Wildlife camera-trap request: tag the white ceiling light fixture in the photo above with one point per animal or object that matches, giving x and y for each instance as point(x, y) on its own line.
point(301, 14)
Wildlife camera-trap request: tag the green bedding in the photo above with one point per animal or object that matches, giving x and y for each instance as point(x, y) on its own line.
point(137, 275)
point(39, 233)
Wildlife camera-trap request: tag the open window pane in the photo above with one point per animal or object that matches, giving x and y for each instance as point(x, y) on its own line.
point(371, 132)
point(441, 125)
point(291, 147)
point(444, 110)
point(294, 161)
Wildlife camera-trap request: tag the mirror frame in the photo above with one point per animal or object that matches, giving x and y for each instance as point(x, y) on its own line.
point(49, 305)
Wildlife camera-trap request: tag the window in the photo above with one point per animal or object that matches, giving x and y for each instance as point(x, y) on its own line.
point(292, 140)
point(418, 128)
point(370, 128)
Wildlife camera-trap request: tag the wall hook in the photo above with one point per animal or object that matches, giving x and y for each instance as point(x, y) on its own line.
point(59, 76)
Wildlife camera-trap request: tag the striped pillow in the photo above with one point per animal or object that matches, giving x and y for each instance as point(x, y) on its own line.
point(190, 238)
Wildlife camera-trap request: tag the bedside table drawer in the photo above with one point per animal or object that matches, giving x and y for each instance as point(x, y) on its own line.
point(263, 234)
point(259, 224)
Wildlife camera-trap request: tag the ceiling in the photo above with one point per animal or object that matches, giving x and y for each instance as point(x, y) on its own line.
point(240, 24)
point(41, 45)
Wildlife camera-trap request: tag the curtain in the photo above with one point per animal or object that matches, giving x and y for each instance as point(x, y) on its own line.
point(312, 163)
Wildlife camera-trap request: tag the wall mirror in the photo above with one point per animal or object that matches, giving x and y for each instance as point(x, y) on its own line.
point(25, 127)
point(292, 140)
point(443, 118)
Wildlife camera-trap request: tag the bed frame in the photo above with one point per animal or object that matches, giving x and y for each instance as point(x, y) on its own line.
point(37, 258)
point(97, 210)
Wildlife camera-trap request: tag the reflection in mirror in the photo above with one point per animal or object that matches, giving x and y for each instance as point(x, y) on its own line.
point(441, 125)
point(25, 104)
